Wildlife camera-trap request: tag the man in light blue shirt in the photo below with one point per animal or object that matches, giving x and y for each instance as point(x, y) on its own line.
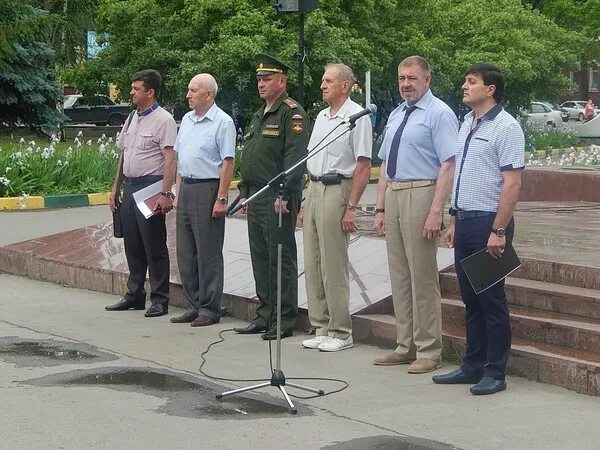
point(415, 180)
point(205, 150)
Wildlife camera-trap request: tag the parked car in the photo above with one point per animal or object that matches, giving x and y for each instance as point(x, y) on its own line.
point(556, 107)
point(575, 109)
point(539, 113)
point(99, 110)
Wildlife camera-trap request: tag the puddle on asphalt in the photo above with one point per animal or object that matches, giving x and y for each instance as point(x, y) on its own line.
point(186, 395)
point(390, 443)
point(48, 352)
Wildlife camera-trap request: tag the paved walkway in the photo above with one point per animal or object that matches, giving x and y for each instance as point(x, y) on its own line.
point(139, 386)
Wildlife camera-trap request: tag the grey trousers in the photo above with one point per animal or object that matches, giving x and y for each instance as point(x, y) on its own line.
point(200, 247)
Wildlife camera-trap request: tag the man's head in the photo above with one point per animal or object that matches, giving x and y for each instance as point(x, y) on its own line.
point(271, 76)
point(337, 83)
point(145, 87)
point(202, 90)
point(414, 76)
point(484, 83)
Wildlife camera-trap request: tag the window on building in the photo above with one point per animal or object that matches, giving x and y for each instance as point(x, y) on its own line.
point(594, 75)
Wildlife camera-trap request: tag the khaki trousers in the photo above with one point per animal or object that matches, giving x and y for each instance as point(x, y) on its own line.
point(326, 259)
point(413, 272)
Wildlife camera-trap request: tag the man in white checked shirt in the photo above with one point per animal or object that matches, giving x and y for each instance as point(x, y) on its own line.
point(338, 176)
point(489, 159)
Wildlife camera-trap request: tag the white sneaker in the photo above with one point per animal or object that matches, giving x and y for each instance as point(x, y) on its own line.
point(315, 342)
point(335, 344)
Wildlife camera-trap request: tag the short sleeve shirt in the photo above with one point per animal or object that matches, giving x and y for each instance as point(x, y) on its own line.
point(144, 139)
point(483, 152)
point(428, 139)
point(204, 142)
point(340, 155)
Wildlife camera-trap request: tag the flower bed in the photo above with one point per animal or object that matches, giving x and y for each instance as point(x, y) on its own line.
point(571, 157)
point(29, 168)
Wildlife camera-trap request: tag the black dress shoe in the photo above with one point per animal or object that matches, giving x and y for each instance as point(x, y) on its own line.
point(457, 377)
point(272, 334)
point(187, 317)
point(488, 385)
point(124, 305)
point(250, 329)
point(157, 310)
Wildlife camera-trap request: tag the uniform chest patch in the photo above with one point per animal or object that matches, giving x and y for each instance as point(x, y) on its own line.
point(272, 125)
point(270, 133)
point(297, 124)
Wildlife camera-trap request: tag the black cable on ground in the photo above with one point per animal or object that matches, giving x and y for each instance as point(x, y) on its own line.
point(258, 380)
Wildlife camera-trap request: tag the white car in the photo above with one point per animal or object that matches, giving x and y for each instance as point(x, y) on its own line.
point(575, 109)
point(539, 114)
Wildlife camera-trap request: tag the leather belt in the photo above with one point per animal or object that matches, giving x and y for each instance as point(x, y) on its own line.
point(317, 179)
point(401, 185)
point(461, 214)
point(188, 180)
point(142, 179)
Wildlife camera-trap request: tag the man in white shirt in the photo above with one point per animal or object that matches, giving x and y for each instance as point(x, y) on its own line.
point(338, 176)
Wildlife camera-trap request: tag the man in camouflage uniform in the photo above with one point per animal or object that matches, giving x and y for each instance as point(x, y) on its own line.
point(277, 137)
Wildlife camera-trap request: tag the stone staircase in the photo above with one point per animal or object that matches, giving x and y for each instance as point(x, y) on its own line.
point(555, 315)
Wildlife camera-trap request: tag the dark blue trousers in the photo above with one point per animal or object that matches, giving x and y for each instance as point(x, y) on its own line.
point(487, 320)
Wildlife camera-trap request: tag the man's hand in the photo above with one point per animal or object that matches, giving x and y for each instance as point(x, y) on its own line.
point(433, 226)
point(244, 209)
point(284, 209)
point(348, 223)
point(495, 245)
point(379, 224)
point(163, 204)
point(219, 209)
point(112, 204)
point(450, 234)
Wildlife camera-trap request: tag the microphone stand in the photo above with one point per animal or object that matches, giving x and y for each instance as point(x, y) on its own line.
point(278, 379)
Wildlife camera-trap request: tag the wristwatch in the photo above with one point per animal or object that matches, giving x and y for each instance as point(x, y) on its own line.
point(222, 200)
point(350, 206)
point(379, 210)
point(168, 194)
point(500, 232)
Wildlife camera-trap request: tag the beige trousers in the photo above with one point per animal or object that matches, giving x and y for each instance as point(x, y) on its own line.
point(413, 272)
point(326, 259)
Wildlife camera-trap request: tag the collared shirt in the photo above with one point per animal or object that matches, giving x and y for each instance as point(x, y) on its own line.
point(340, 156)
point(204, 142)
point(428, 139)
point(143, 140)
point(494, 145)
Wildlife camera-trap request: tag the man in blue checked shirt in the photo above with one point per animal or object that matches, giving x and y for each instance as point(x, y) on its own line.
point(415, 180)
point(489, 159)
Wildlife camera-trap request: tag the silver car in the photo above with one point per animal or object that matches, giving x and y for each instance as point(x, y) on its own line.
point(575, 109)
point(539, 114)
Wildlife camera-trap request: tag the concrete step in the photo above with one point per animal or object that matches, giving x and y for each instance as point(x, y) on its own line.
point(575, 370)
point(558, 273)
point(538, 326)
point(540, 295)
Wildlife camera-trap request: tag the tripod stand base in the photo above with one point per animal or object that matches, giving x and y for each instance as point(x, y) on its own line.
point(278, 381)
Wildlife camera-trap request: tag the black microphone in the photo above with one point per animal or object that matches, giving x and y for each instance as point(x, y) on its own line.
point(371, 109)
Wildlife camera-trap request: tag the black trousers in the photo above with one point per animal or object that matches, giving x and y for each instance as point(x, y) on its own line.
point(145, 247)
point(200, 247)
point(487, 319)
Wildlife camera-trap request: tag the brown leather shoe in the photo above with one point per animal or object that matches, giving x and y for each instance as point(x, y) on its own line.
point(424, 365)
point(187, 317)
point(393, 359)
point(203, 321)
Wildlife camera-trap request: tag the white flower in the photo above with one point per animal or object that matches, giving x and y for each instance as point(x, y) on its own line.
point(110, 140)
point(8, 169)
point(80, 133)
point(89, 142)
point(22, 141)
point(5, 181)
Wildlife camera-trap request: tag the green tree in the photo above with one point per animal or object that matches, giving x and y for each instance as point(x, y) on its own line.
point(28, 91)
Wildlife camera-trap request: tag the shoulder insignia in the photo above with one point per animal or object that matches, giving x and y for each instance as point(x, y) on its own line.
point(291, 103)
point(297, 125)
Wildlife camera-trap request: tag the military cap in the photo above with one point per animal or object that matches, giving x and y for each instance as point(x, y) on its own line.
point(267, 65)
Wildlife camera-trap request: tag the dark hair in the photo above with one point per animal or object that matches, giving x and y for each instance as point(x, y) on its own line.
point(491, 75)
point(150, 78)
